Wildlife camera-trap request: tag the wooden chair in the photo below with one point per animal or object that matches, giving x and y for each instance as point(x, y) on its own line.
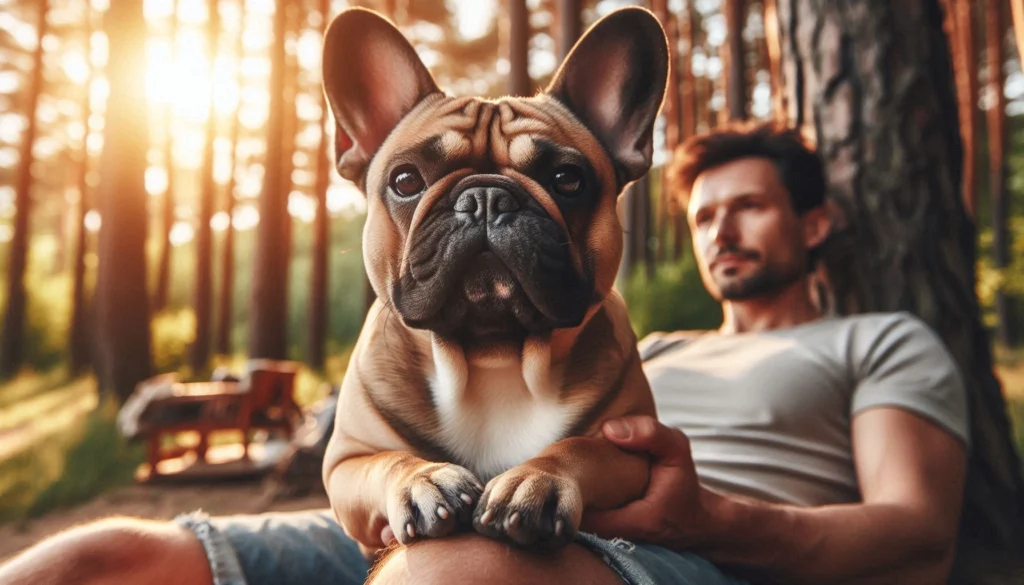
point(262, 399)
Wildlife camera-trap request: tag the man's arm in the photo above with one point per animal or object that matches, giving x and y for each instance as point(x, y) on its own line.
point(911, 474)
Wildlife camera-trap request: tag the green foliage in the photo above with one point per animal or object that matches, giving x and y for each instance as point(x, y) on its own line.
point(675, 299)
point(172, 332)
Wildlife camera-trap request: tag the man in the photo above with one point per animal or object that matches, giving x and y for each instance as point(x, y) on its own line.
point(792, 447)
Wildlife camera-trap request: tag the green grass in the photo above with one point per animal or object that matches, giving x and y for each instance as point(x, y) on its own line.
point(67, 466)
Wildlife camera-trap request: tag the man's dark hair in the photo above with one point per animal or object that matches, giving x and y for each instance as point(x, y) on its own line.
point(800, 169)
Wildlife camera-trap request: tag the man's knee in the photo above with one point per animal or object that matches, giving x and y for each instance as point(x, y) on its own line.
point(471, 558)
point(113, 550)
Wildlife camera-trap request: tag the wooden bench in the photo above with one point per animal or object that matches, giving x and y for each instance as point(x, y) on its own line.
point(263, 399)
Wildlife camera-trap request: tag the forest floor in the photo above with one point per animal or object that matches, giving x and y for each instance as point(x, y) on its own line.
point(50, 435)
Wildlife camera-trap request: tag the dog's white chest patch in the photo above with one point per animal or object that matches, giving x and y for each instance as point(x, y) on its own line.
point(496, 423)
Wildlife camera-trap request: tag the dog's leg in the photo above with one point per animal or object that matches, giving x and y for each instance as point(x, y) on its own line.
point(540, 503)
point(416, 498)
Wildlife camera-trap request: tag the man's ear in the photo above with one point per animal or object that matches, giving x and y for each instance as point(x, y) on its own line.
point(817, 224)
point(372, 79)
point(614, 81)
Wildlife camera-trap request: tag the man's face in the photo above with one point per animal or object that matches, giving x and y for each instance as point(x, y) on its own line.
point(749, 242)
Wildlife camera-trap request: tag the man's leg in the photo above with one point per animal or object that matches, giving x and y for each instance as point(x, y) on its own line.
point(275, 548)
point(116, 551)
point(471, 558)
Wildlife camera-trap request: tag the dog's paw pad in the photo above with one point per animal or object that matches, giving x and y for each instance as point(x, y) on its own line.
point(529, 508)
point(433, 502)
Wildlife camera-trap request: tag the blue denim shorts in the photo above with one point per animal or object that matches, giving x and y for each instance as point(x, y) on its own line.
point(309, 548)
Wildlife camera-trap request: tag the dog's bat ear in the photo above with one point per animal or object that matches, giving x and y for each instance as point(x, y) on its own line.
point(614, 81)
point(372, 78)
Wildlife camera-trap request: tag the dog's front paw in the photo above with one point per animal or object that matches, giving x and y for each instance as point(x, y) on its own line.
point(531, 508)
point(432, 502)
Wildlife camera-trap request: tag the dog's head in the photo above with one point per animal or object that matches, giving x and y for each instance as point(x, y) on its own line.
point(492, 220)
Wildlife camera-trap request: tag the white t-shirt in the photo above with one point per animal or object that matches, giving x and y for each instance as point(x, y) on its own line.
point(768, 413)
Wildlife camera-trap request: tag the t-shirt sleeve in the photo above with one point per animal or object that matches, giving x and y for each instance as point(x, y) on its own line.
point(658, 342)
point(905, 364)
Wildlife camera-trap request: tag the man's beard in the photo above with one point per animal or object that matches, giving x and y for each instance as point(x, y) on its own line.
point(765, 282)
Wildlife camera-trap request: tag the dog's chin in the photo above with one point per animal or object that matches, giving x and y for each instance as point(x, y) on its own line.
point(487, 310)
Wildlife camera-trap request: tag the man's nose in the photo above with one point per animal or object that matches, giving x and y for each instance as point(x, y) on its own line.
point(723, 229)
point(489, 204)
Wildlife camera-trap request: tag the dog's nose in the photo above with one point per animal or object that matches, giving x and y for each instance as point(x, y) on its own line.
point(486, 203)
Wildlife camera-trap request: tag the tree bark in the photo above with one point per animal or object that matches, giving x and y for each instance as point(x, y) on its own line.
point(163, 277)
point(269, 301)
point(321, 237)
point(735, 64)
point(570, 26)
point(967, 88)
point(860, 73)
point(1006, 330)
point(79, 356)
point(200, 354)
point(225, 305)
point(11, 356)
point(1017, 9)
point(122, 307)
point(774, 47)
point(519, 83)
point(671, 111)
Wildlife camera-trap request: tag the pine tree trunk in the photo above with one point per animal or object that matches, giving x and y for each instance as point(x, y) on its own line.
point(687, 113)
point(163, 277)
point(1017, 11)
point(225, 305)
point(268, 322)
point(519, 83)
point(321, 238)
point(966, 55)
point(904, 241)
point(774, 48)
point(200, 354)
point(671, 111)
point(79, 357)
point(11, 356)
point(122, 307)
point(570, 26)
point(1000, 197)
point(736, 71)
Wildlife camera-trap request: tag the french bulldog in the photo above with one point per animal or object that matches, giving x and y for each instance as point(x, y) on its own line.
point(497, 346)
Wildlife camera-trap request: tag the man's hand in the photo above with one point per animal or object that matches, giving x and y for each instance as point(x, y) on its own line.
point(674, 512)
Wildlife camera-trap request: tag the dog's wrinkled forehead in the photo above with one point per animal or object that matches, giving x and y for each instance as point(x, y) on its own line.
point(517, 137)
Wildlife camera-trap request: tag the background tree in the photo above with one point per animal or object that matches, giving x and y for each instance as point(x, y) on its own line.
point(200, 354)
point(1006, 328)
point(122, 306)
point(318, 286)
point(163, 277)
point(79, 355)
point(519, 82)
point(905, 241)
point(269, 300)
point(14, 312)
point(735, 63)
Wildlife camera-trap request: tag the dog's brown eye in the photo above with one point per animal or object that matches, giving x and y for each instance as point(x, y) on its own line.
point(406, 181)
point(568, 181)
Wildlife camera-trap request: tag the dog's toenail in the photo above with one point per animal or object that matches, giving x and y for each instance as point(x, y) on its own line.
point(410, 530)
point(442, 512)
point(486, 518)
point(514, 519)
point(559, 527)
point(466, 498)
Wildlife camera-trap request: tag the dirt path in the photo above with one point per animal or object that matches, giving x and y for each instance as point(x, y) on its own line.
point(156, 502)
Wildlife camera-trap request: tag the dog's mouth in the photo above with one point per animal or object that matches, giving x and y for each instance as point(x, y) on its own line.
point(493, 303)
